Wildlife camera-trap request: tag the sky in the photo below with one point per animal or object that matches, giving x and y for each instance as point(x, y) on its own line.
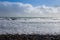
point(28, 8)
point(37, 2)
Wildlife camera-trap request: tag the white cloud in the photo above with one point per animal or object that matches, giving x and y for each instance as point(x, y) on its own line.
point(20, 9)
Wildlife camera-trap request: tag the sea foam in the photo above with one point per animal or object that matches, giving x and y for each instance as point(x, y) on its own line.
point(30, 26)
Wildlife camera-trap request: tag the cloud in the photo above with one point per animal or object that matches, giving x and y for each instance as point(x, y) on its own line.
point(27, 10)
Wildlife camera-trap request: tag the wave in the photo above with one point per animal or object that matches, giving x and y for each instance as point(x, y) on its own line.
point(29, 26)
point(31, 19)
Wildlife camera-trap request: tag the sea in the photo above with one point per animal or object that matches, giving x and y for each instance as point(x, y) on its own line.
point(30, 25)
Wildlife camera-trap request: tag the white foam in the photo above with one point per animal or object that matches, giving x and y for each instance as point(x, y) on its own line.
point(29, 26)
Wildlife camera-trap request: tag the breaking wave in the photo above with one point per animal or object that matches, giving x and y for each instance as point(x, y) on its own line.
point(29, 25)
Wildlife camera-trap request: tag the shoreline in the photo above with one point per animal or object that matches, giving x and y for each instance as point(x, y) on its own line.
point(29, 37)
